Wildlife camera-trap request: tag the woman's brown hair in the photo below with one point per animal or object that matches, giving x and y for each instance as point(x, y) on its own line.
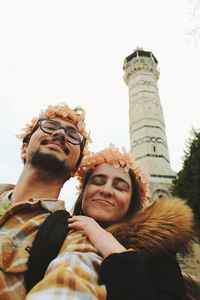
point(135, 204)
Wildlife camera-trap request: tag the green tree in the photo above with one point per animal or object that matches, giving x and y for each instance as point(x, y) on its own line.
point(187, 182)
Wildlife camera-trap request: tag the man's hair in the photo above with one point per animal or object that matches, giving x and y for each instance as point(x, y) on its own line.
point(75, 116)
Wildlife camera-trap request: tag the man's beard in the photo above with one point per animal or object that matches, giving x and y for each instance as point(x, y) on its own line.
point(50, 164)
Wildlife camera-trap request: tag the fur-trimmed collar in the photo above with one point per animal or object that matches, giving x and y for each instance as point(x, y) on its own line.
point(164, 226)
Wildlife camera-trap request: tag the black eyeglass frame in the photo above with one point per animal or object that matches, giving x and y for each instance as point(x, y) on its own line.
point(26, 139)
point(66, 129)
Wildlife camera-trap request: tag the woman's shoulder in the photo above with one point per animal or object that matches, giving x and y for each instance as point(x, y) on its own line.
point(165, 226)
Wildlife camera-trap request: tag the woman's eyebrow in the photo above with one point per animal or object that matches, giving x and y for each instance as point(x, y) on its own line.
point(99, 176)
point(119, 179)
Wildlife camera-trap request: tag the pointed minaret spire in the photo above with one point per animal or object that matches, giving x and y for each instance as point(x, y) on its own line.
point(146, 120)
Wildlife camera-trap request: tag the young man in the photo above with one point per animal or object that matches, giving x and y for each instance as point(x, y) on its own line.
point(53, 146)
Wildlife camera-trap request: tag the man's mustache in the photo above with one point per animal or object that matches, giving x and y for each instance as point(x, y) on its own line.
point(59, 139)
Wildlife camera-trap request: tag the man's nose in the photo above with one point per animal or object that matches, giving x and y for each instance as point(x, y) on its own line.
point(61, 133)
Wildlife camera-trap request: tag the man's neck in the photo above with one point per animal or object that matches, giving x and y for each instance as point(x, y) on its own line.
point(36, 184)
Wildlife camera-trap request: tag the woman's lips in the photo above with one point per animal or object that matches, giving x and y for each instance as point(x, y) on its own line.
point(103, 201)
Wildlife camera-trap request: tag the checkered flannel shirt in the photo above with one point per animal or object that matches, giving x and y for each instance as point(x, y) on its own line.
point(73, 275)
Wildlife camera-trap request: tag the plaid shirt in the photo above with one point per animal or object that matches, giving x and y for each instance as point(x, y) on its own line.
point(72, 275)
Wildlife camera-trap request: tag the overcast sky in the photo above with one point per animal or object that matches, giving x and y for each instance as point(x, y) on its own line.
point(73, 51)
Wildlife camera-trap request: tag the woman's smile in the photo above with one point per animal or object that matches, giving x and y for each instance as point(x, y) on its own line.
point(107, 195)
point(103, 201)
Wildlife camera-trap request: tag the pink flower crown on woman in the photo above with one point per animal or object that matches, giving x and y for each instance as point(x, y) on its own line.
point(62, 110)
point(118, 159)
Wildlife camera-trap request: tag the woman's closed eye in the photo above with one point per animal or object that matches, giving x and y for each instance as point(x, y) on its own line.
point(98, 180)
point(121, 186)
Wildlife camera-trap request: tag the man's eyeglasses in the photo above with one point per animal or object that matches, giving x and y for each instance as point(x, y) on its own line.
point(73, 136)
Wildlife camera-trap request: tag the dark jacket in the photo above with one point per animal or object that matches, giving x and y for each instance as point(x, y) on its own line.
point(151, 272)
point(129, 276)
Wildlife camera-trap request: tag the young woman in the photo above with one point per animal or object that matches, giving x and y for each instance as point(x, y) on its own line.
point(137, 241)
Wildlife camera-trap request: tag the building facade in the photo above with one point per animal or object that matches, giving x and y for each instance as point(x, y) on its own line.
point(146, 121)
point(147, 135)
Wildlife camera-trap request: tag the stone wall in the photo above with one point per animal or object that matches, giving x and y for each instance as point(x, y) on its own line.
point(190, 263)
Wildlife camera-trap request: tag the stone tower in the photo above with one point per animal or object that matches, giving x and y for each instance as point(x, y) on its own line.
point(146, 121)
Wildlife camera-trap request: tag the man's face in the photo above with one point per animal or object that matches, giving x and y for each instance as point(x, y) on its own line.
point(52, 152)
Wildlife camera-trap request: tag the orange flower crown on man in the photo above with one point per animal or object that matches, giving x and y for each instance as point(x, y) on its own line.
point(76, 116)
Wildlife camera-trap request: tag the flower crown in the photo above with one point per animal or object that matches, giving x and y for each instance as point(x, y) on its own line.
point(75, 116)
point(118, 159)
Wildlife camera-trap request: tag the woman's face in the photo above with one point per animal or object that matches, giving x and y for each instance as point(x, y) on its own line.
point(107, 195)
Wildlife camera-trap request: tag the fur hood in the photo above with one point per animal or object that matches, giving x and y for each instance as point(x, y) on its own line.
point(164, 226)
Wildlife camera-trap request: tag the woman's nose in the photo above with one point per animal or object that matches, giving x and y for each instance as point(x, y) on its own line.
point(106, 190)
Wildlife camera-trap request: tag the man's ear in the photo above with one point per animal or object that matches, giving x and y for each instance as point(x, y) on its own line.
point(23, 151)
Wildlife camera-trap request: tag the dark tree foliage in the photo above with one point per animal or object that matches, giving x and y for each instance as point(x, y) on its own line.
point(187, 182)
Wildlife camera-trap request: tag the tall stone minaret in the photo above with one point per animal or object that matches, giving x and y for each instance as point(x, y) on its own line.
point(147, 125)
